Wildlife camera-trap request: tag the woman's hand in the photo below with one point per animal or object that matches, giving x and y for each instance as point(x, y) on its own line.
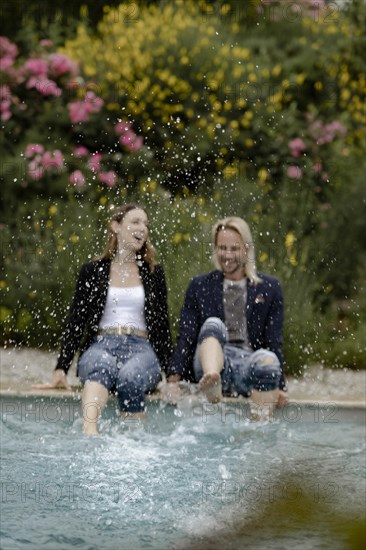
point(59, 380)
point(282, 399)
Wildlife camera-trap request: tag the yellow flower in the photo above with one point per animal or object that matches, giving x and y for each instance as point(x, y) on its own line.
point(289, 240)
point(74, 238)
point(52, 210)
point(292, 260)
point(262, 174)
point(300, 78)
point(263, 257)
point(230, 171)
point(5, 314)
point(177, 238)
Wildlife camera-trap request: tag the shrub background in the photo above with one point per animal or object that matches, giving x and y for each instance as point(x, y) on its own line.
point(257, 112)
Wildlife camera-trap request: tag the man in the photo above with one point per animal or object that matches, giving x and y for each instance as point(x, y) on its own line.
point(230, 332)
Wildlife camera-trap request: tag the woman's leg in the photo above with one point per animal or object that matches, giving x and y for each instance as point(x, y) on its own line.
point(139, 374)
point(94, 399)
point(97, 371)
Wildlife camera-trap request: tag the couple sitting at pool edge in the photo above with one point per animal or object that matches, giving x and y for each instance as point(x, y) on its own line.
point(230, 331)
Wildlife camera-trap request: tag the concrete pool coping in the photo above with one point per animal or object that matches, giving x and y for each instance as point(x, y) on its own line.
point(75, 394)
point(22, 367)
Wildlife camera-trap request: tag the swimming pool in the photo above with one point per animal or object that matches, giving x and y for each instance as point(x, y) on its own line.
point(186, 474)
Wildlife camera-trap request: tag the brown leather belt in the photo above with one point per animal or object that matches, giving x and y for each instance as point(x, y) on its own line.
point(123, 330)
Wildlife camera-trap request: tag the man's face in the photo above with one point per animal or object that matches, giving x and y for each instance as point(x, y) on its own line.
point(231, 252)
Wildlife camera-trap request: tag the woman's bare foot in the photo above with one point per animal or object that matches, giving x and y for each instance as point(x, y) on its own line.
point(210, 385)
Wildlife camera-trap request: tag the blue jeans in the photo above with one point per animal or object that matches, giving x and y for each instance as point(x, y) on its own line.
point(126, 365)
point(243, 370)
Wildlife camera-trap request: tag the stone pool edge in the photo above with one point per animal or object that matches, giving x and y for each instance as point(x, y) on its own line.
point(76, 394)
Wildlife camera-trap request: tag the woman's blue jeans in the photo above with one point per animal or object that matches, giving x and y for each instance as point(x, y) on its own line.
point(124, 364)
point(243, 370)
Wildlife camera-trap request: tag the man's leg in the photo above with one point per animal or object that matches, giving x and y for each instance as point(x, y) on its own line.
point(211, 358)
point(212, 363)
point(266, 374)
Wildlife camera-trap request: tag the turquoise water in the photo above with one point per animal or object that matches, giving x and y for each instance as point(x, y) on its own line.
point(182, 476)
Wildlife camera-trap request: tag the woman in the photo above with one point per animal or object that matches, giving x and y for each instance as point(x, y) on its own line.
point(119, 316)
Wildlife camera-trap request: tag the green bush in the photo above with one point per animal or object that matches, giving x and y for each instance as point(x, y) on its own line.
point(238, 112)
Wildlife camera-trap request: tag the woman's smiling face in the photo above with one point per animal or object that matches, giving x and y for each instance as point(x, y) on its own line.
point(133, 230)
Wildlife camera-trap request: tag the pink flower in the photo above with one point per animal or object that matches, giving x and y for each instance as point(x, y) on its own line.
point(77, 178)
point(5, 102)
point(131, 141)
point(44, 86)
point(128, 138)
point(35, 171)
point(95, 103)
point(122, 127)
point(136, 144)
point(80, 151)
point(53, 160)
point(8, 53)
point(79, 111)
point(46, 43)
point(60, 64)
point(33, 149)
point(38, 67)
point(109, 178)
point(296, 146)
point(5, 92)
point(5, 111)
point(6, 62)
point(294, 172)
point(326, 133)
point(317, 167)
point(94, 162)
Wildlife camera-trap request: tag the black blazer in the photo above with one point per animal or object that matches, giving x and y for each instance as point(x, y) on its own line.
point(88, 305)
point(204, 298)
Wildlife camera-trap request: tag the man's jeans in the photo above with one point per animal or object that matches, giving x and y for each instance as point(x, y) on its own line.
point(243, 370)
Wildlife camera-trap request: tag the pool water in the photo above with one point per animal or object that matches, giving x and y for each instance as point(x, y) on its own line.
point(182, 476)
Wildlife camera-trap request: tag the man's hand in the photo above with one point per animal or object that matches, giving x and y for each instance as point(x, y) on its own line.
point(59, 380)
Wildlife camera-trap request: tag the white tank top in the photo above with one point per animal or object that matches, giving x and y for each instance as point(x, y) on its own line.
point(124, 308)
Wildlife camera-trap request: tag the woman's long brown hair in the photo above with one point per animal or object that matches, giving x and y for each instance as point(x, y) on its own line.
point(147, 252)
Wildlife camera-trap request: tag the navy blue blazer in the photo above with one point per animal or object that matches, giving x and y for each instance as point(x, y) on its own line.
point(89, 302)
point(204, 298)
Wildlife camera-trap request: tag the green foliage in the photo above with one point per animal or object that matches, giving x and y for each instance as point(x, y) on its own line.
point(243, 112)
point(292, 507)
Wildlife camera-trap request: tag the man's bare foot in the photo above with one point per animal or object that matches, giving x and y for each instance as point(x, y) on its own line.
point(90, 428)
point(210, 385)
